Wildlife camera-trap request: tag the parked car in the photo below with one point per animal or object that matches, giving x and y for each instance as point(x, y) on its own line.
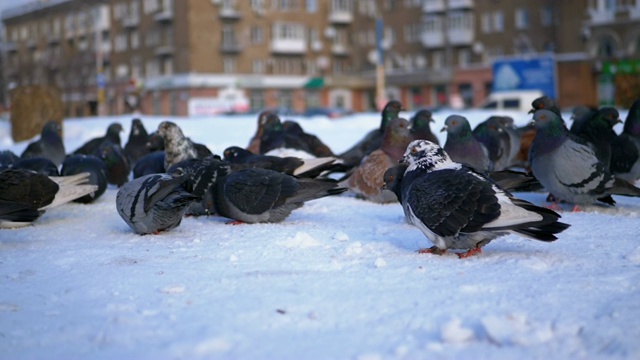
point(517, 100)
point(331, 113)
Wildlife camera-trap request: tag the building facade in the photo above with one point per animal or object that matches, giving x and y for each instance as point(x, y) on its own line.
point(181, 57)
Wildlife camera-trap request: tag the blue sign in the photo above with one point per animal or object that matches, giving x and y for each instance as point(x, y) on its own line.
point(537, 73)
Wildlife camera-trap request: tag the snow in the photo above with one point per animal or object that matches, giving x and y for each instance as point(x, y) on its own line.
point(339, 279)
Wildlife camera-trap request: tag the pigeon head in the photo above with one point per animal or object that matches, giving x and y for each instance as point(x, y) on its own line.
point(547, 120)
point(393, 179)
point(51, 127)
point(390, 111)
point(170, 131)
point(457, 126)
point(235, 153)
point(544, 103)
point(610, 115)
point(421, 119)
point(137, 128)
point(396, 138)
point(155, 142)
point(632, 123)
point(425, 155)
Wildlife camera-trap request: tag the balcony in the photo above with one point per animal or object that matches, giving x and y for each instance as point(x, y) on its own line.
point(163, 16)
point(460, 36)
point(431, 6)
point(339, 50)
point(230, 47)
point(165, 50)
point(130, 21)
point(229, 13)
point(288, 46)
point(10, 47)
point(460, 4)
point(341, 17)
point(601, 16)
point(32, 44)
point(53, 39)
point(432, 39)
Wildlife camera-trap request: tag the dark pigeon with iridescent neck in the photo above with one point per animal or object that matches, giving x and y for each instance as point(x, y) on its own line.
point(373, 139)
point(420, 126)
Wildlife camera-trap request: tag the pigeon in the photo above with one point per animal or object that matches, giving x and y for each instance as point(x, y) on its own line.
point(367, 178)
point(457, 207)
point(462, 146)
point(156, 143)
point(152, 163)
point(240, 158)
point(598, 131)
point(7, 159)
point(176, 146)
point(136, 146)
point(266, 196)
point(420, 127)
point(38, 164)
point(203, 175)
point(273, 136)
point(94, 166)
point(297, 138)
point(112, 135)
point(265, 117)
point(25, 195)
point(579, 116)
point(625, 149)
point(154, 203)
point(569, 168)
point(546, 103)
point(118, 167)
point(49, 145)
point(373, 138)
point(492, 134)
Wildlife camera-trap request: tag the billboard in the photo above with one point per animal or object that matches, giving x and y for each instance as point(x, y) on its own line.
point(525, 73)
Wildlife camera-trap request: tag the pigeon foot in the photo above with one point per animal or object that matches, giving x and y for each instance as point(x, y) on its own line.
point(470, 253)
point(235, 222)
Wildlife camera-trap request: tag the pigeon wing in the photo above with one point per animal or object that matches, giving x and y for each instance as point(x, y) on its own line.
point(451, 201)
point(255, 191)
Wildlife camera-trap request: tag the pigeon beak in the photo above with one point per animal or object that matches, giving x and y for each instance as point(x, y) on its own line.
point(532, 111)
point(444, 128)
point(618, 121)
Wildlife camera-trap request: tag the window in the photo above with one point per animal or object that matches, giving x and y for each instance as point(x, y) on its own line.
point(228, 35)
point(120, 43)
point(258, 66)
point(485, 23)
point(498, 21)
point(312, 6)
point(150, 6)
point(288, 31)
point(522, 18)
point(606, 47)
point(438, 60)
point(285, 5)
point(412, 33)
point(257, 36)
point(228, 65)
point(135, 39)
point(512, 104)
point(546, 16)
point(464, 57)
point(342, 5)
point(257, 5)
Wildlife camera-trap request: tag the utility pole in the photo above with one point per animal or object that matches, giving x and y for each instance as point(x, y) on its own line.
point(380, 80)
point(100, 77)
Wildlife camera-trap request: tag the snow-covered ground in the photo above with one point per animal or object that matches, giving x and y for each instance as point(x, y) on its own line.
point(339, 279)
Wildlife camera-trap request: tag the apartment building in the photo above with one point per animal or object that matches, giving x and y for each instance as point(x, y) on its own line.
point(179, 57)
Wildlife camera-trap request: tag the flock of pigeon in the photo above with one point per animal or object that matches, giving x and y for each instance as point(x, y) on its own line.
point(459, 195)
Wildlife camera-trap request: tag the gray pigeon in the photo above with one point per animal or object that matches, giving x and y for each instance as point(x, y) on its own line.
point(462, 146)
point(625, 156)
point(177, 147)
point(154, 203)
point(25, 195)
point(49, 145)
point(266, 196)
point(457, 207)
point(568, 167)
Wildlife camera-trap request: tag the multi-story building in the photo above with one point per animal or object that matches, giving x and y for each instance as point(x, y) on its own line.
point(191, 56)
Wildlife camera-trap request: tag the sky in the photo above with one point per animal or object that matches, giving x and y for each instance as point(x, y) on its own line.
point(338, 279)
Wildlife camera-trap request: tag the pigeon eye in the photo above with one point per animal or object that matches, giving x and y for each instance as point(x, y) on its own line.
point(414, 150)
point(541, 106)
point(454, 122)
point(542, 117)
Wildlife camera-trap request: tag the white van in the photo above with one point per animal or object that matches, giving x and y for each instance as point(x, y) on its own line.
point(515, 100)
